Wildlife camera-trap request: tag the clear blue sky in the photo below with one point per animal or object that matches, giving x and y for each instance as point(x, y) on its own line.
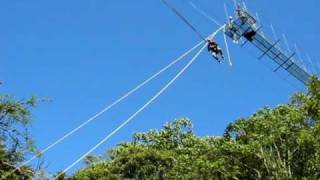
point(84, 54)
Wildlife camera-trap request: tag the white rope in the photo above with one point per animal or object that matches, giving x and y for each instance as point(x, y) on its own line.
point(104, 110)
point(226, 10)
point(273, 32)
point(286, 43)
point(227, 49)
point(259, 22)
point(203, 13)
point(135, 114)
point(300, 56)
point(312, 65)
point(235, 3)
point(244, 5)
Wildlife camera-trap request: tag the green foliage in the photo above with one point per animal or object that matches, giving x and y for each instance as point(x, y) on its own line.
point(15, 140)
point(274, 143)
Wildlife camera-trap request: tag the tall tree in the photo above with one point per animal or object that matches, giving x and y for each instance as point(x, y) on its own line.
point(15, 140)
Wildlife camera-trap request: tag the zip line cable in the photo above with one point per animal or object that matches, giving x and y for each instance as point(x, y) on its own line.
point(204, 14)
point(104, 110)
point(273, 32)
point(314, 68)
point(207, 16)
point(235, 3)
point(120, 99)
point(183, 19)
point(227, 48)
point(226, 10)
point(142, 108)
point(156, 96)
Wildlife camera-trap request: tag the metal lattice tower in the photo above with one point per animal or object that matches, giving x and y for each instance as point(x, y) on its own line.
point(244, 26)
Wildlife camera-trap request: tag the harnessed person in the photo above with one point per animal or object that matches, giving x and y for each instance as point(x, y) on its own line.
point(215, 50)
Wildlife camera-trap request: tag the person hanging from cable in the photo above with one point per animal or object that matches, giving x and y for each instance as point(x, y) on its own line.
point(215, 50)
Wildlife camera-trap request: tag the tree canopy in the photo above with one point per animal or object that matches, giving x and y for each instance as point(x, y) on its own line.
point(280, 142)
point(15, 140)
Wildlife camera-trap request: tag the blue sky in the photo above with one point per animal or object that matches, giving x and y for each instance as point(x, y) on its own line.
point(84, 54)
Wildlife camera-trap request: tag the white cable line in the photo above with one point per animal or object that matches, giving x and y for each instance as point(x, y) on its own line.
point(298, 51)
point(226, 10)
point(318, 69)
point(235, 3)
point(135, 114)
point(104, 110)
point(227, 48)
point(289, 51)
point(300, 56)
point(273, 32)
point(311, 63)
point(204, 14)
point(259, 22)
point(244, 5)
point(217, 31)
point(286, 43)
point(140, 110)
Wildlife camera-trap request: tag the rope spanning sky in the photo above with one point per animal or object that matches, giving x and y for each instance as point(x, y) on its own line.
point(148, 103)
point(83, 54)
point(106, 109)
point(156, 96)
